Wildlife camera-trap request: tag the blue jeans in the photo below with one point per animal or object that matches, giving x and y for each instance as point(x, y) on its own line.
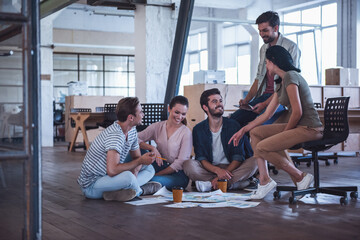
point(176, 179)
point(124, 180)
point(243, 117)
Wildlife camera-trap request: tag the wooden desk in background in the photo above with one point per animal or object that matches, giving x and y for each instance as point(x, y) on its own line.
point(80, 118)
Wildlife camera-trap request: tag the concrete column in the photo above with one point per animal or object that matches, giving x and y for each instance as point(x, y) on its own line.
point(212, 42)
point(154, 34)
point(346, 44)
point(46, 39)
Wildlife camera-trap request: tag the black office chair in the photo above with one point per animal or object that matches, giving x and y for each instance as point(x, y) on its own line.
point(154, 112)
point(336, 131)
point(109, 115)
point(309, 158)
point(58, 121)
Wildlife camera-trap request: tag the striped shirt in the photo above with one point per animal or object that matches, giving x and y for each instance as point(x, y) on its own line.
point(112, 138)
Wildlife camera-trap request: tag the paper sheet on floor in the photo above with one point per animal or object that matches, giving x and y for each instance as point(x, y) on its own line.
point(214, 196)
point(147, 201)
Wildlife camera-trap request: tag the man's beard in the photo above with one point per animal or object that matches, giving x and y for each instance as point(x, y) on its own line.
point(218, 114)
point(269, 40)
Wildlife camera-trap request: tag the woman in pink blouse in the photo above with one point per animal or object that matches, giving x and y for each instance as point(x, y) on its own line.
point(173, 143)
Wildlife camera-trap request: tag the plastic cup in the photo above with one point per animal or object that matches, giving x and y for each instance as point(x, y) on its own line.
point(222, 185)
point(177, 194)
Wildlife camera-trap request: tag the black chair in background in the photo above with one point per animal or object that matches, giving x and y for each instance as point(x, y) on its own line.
point(109, 115)
point(154, 112)
point(58, 121)
point(336, 131)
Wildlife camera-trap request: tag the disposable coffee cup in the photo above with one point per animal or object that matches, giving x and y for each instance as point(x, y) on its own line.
point(177, 194)
point(222, 185)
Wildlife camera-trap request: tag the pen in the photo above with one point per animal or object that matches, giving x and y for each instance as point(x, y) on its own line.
point(162, 158)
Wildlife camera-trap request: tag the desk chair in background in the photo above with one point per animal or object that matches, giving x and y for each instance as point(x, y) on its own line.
point(336, 131)
point(154, 112)
point(109, 115)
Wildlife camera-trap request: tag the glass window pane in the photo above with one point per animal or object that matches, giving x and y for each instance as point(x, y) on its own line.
point(131, 64)
point(94, 79)
point(229, 35)
point(13, 6)
point(116, 63)
point(242, 35)
point(131, 92)
point(11, 103)
point(60, 93)
point(329, 14)
point(65, 61)
point(203, 41)
point(13, 62)
point(230, 57)
point(91, 62)
point(204, 60)
point(116, 92)
point(186, 64)
point(311, 15)
point(10, 77)
point(193, 42)
point(243, 63)
point(61, 78)
point(293, 17)
point(231, 75)
point(308, 59)
point(328, 49)
point(95, 91)
point(132, 80)
point(116, 79)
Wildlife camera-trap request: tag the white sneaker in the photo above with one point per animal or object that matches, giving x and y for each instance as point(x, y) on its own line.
point(305, 182)
point(203, 186)
point(263, 190)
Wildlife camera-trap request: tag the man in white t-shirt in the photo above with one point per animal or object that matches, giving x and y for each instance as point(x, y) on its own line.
point(105, 173)
point(215, 158)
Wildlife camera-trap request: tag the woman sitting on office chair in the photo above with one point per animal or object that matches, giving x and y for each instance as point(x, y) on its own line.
point(174, 144)
point(270, 141)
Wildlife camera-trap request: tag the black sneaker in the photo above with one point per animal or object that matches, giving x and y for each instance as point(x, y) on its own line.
point(150, 188)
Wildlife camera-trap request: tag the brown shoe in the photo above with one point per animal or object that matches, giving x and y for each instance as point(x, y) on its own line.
point(122, 195)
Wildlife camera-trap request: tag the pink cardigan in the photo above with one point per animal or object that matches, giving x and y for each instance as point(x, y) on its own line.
point(176, 149)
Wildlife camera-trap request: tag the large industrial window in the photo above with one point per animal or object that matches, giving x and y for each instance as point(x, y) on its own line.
point(104, 75)
point(317, 39)
point(196, 58)
point(236, 54)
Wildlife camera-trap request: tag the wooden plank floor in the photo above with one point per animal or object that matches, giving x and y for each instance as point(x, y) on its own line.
point(68, 215)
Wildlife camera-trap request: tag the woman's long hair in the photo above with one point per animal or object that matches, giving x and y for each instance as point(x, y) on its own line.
point(281, 58)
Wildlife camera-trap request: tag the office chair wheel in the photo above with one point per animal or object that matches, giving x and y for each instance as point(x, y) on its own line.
point(313, 195)
point(292, 200)
point(308, 164)
point(354, 195)
point(336, 161)
point(277, 195)
point(275, 171)
point(327, 163)
point(344, 201)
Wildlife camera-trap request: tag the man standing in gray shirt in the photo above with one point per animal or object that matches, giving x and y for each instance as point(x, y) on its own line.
point(262, 89)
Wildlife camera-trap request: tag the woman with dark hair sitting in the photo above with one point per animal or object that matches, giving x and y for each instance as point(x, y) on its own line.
point(173, 143)
point(269, 142)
